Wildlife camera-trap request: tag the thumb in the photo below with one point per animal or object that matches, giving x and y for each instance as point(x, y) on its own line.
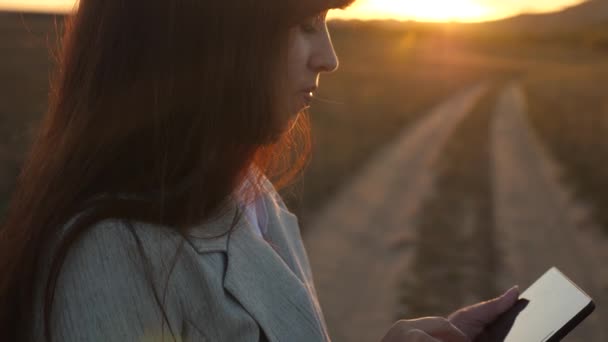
point(501, 304)
point(474, 318)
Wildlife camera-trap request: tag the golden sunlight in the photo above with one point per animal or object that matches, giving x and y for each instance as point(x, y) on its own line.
point(432, 10)
point(49, 6)
point(446, 10)
point(421, 10)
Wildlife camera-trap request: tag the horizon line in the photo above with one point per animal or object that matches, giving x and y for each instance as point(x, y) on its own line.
point(62, 12)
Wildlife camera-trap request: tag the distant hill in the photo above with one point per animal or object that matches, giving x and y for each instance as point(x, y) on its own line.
point(589, 16)
point(7, 18)
point(592, 13)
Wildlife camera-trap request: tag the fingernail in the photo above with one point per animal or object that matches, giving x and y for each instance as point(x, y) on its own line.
point(513, 289)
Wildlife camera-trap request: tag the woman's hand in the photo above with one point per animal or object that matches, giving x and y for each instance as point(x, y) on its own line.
point(464, 325)
point(427, 329)
point(472, 320)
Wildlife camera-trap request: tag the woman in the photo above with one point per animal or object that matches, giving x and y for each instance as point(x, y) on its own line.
point(145, 208)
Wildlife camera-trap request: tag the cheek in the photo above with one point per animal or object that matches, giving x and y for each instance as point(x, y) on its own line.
point(297, 53)
point(296, 59)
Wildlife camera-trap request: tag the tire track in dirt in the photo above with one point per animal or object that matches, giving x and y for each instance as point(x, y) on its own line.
point(538, 223)
point(455, 259)
point(363, 239)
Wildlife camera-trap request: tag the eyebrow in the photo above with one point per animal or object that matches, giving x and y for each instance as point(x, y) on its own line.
point(340, 4)
point(321, 7)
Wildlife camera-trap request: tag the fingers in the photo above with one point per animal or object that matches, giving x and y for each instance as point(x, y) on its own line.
point(440, 328)
point(435, 327)
point(472, 319)
point(462, 326)
point(416, 335)
point(489, 310)
point(507, 300)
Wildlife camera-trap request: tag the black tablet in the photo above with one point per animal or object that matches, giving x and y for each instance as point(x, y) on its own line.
point(545, 312)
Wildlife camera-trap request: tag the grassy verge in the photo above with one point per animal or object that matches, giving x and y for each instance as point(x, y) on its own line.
point(569, 110)
point(455, 261)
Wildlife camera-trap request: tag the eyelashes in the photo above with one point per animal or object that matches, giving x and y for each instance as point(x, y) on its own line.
point(313, 24)
point(308, 28)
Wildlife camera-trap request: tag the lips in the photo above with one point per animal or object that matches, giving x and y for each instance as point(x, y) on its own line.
point(310, 89)
point(307, 94)
point(307, 98)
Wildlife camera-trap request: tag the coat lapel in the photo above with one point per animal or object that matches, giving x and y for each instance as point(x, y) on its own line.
point(266, 277)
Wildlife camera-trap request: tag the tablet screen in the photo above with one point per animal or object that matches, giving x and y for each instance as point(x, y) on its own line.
point(542, 310)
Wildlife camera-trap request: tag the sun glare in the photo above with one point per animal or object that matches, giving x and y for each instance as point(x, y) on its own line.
point(426, 10)
point(48, 6)
point(420, 10)
point(436, 10)
point(447, 10)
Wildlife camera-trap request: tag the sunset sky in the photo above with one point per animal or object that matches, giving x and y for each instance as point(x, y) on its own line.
point(423, 10)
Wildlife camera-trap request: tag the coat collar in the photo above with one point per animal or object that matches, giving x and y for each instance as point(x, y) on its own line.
point(269, 278)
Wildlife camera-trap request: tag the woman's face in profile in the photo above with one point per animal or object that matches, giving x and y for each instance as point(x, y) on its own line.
point(310, 53)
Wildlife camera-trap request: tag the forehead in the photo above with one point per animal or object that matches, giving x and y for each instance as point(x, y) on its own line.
point(315, 7)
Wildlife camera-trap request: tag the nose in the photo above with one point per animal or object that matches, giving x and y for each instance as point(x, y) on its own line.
point(324, 58)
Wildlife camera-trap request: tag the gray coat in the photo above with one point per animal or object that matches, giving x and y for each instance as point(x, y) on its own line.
point(235, 288)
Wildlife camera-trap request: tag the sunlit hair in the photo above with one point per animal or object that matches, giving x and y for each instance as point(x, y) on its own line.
point(158, 110)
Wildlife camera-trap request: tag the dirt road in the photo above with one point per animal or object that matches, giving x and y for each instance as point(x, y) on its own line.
point(360, 243)
point(372, 236)
point(538, 223)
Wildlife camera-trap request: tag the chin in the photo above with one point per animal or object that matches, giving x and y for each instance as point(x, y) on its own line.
point(282, 128)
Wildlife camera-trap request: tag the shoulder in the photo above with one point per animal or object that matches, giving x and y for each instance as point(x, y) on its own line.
point(115, 250)
point(105, 289)
point(114, 246)
point(116, 237)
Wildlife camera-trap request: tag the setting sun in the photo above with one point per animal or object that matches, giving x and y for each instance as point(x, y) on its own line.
point(446, 10)
point(442, 10)
point(434, 10)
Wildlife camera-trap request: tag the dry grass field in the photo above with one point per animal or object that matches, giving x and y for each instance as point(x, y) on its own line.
point(569, 108)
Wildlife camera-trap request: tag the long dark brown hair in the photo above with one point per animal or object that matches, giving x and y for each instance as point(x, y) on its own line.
point(168, 100)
